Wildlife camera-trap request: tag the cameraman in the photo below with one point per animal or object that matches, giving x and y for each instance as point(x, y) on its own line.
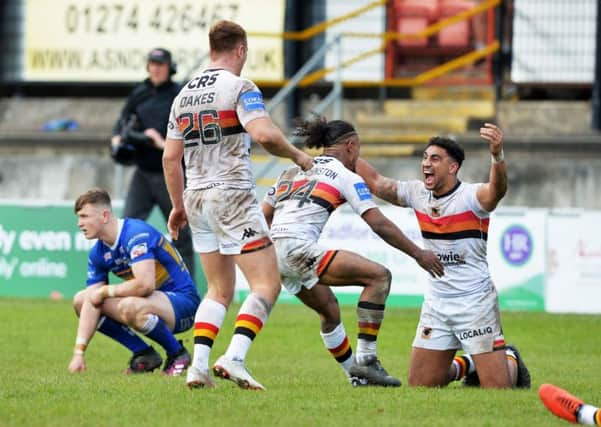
point(139, 138)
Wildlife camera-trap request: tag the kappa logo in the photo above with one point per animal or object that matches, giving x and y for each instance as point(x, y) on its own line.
point(310, 262)
point(426, 333)
point(248, 232)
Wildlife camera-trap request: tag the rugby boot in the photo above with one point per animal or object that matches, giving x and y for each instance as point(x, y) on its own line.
point(358, 382)
point(146, 360)
point(523, 380)
point(373, 371)
point(561, 403)
point(197, 378)
point(234, 370)
point(177, 363)
point(471, 380)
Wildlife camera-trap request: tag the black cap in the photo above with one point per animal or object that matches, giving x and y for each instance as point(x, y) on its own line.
point(160, 55)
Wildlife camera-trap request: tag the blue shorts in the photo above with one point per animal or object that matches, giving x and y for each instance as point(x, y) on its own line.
point(184, 307)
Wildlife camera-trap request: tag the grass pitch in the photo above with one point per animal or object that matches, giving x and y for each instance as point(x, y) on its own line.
point(305, 387)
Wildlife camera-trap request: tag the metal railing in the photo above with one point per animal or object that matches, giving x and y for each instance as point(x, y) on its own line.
point(333, 98)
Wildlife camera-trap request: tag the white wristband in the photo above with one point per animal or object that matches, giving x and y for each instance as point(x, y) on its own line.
point(498, 158)
point(80, 340)
point(111, 291)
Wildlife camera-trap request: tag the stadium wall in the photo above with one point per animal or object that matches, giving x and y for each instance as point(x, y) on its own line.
point(539, 259)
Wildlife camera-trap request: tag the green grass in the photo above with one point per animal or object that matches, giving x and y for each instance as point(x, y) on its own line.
point(304, 385)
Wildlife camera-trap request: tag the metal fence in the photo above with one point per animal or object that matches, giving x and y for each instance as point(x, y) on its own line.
point(11, 40)
point(554, 41)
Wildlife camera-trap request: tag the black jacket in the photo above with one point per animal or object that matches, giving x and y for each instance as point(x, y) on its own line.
point(152, 106)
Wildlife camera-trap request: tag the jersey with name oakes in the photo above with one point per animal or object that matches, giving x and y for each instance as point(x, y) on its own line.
point(304, 201)
point(137, 241)
point(209, 115)
point(455, 227)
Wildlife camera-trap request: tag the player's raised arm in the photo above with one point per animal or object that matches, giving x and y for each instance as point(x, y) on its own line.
point(381, 186)
point(388, 231)
point(492, 192)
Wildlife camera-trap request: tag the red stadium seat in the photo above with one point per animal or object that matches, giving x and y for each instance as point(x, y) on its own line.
point(413, 16)
point(456, 35)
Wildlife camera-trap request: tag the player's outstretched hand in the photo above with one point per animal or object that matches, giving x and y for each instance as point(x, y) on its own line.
point(78, 364)
point(430, 262)
point(177, 220)
point(494, 136)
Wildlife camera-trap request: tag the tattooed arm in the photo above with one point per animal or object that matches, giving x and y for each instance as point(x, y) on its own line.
point(381, 186)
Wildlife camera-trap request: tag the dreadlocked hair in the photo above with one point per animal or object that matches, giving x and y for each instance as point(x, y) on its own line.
point(321, 133)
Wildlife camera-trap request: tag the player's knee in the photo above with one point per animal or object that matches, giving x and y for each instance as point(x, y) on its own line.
point(128, 310)
point(383, 280)
point(414, 379)
point(78, 300)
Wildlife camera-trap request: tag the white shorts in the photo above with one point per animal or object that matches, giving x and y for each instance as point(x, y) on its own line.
point(471, 323)
point(228, 220)
point(301, 262)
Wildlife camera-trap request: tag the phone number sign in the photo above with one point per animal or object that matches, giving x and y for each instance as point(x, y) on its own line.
point(97, 40)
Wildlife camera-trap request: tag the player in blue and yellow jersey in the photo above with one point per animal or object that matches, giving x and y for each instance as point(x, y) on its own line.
point(157, 296)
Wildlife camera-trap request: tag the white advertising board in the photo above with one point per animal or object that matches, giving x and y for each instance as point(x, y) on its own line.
point(574, 267)
point(101, 41)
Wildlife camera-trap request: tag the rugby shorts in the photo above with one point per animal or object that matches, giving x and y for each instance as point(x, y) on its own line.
point(228, 220)
point(301, 262)
point(470, 322)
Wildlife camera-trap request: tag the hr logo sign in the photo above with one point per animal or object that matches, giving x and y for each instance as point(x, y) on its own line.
point(516, 245)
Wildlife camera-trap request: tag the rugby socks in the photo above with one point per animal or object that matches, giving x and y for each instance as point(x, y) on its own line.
point(370, 316)
point(512, 365)
point(338, 345)
point(589, 415)
point(122, 334)
point(463, 365)
point(252, 316)
point(207, 322)
point(157, 330)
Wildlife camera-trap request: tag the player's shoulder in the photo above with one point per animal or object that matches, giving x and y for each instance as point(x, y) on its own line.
point(467, 187)
point(135, 229)
point(289, 173)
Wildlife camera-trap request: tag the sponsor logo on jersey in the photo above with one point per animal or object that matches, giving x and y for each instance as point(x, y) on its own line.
point(138, 250)
point(362, 191)
point(475, 333)
point(137, 236)
point(451, 258)
point(107, 256)
point(252, 101)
